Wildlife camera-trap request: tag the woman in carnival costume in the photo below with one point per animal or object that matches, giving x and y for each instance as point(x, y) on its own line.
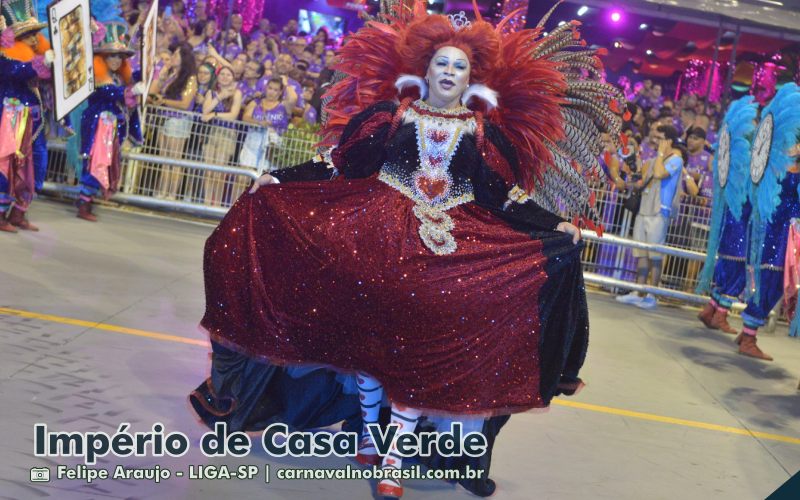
point(724, 269)
point(109, 119)
point(775, 198)
point(25, 60)
point(431, 271)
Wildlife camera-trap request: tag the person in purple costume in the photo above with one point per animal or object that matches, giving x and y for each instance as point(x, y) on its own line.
point(253, 84)
point(271, 116)
point(283, 65)
point(309, 112)
point(699, 164)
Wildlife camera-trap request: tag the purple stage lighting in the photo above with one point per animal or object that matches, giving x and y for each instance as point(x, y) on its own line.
point(616, 16)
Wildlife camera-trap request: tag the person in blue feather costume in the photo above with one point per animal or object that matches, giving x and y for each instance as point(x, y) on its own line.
point(109, 119)
point(724, 270)
point(775, 201)
point(25, 60)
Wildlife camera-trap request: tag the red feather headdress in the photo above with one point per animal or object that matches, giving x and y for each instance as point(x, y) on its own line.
point(552, 102)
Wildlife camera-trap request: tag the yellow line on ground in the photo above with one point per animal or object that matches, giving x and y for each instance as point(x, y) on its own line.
point(559, 402)
point(676, 421)
point(102, 326)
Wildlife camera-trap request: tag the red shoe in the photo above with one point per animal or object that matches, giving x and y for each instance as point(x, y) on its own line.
point(367, 454)
point(85, 211)
point(706, 314)
point(388, 488)
point(720, 322)
point(17, 218)
point(748, 347)
point(6, 226)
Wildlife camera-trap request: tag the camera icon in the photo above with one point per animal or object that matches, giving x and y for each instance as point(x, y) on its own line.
point(40, 475)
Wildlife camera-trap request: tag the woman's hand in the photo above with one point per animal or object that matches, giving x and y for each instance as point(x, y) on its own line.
point(566, 227)
point(207, 117)
point(263, 181)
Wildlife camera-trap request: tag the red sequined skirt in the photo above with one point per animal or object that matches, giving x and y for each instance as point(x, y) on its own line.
point(336, 274)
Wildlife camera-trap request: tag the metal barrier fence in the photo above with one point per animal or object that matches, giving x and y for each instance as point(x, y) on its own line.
point(688, 230)
point(187, 164)
point(190, 164)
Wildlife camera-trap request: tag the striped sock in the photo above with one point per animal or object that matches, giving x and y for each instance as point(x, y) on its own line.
point(406, 420)
point(370, 394)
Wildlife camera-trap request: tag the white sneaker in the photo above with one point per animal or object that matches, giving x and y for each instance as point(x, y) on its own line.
point(631, 298)
point(649, 302)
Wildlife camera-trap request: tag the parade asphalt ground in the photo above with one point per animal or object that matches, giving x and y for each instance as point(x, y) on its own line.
point(99, 326)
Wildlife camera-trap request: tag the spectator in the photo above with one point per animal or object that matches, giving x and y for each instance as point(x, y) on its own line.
point(204, 34)
point(175, 88)
point(322, 36)
point(205, 81)
point(327, 72)
point(237, 22)
point(295, 47)
point(648, 149)
point(656, 98)
point(282, 68)
point(309, 113)
point(264, 29)
point(173, 30)
point(194, 150)
point(686, 120)
point(221, 109)
point(179, 15)
point(267, 68)
point(252, 84)
point(229, 47)
point(300, 70)
point(698, 165)
point(256, 50)
point(290, 29)
point(638, 123)
point(659, 184)
point(271, 117)
point(238, 64)
point(315, 55)
point(272, 49)
point(201, 12)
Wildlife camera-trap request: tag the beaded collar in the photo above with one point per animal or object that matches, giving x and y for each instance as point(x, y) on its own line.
point(425, 109)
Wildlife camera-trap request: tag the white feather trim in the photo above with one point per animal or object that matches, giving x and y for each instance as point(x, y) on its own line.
point(480, 91)
point(404, 81)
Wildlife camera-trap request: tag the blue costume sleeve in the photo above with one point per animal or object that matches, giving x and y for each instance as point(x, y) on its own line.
point(16, 70)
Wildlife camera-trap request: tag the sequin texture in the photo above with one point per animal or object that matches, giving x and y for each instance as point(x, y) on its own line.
point(338, 273)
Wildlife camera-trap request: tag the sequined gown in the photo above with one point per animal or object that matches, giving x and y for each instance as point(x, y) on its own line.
point(412, 266)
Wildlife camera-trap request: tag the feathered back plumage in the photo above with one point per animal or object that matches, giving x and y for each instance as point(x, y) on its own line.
point(739, 124)
point(785, 109)
point(740, 119)
point(552, 102)
point(41, 14)
point(107, 11)
point(765, 195)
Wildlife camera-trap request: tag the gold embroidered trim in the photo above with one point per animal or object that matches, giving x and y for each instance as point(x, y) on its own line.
point(518, 195)
point(446, 204)
point(434, 229)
